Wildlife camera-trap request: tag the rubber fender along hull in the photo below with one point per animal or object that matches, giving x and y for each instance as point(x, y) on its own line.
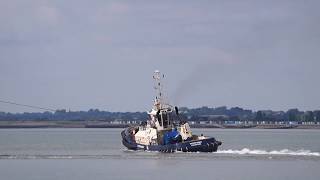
point(204, 145)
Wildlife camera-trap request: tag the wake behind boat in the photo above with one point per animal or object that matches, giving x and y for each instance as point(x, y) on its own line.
point(165, 131)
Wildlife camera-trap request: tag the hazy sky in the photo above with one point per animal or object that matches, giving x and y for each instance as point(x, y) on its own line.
point(78, 54)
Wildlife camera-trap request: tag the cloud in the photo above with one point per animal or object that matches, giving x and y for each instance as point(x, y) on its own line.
point(31, 21)
point(238, 45)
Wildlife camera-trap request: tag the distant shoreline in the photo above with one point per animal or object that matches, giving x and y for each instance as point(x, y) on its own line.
point(87, 124)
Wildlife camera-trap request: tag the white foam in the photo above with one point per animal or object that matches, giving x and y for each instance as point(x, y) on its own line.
point(245, 151)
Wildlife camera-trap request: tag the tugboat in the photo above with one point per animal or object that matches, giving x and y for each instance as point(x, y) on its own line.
point(165, 131)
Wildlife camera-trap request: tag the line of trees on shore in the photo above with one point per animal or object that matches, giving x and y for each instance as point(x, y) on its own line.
point(196, 114)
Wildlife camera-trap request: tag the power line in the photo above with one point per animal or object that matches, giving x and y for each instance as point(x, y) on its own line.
point(25, 105)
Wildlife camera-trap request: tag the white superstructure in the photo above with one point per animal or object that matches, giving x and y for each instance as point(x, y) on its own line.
point(161, 119)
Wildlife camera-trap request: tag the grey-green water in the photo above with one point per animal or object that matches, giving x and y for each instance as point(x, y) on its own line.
point(84, 154)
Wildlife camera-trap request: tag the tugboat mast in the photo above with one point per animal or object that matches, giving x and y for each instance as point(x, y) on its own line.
point(160, 101)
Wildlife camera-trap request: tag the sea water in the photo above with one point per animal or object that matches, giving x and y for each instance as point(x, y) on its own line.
point(85, 154)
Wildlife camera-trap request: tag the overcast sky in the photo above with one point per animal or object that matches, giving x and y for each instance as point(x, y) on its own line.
point(101, 54)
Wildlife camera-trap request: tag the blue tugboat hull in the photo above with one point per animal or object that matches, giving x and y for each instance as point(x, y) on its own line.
point(203, 145)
